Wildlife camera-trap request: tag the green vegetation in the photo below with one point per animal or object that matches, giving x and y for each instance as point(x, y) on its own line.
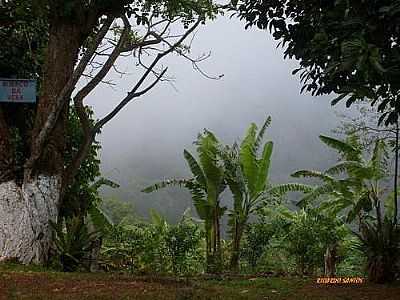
point(247, 178)
point(154, 248)
point(345, 222)
point(206, 186)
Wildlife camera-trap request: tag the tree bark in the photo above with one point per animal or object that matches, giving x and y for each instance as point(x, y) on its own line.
point(27, 208)
point(25, 214)
point(62, 53)
point(396, 169)
point(6, 153)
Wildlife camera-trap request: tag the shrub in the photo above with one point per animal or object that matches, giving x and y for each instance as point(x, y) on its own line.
point(257, 237)
point(73, 243)
point(155, 247)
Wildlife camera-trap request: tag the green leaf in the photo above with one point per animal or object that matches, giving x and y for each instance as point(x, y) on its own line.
point(100, 219)
point(263, 167)
point(104, 181)
point(312, 174)
point(282, 189)
point(261, 133)
point(195, 168)
point(315, 194)
point(248, 157)
point(338, 145)
point(166, 183)
point(208, 150)
point(344, 166)
point(337, 99)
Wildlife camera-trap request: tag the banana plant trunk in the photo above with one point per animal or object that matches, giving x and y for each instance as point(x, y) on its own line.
point(214, 253)
point(381, 269)
point(235, 256)
point(330, 259)
point(29, 203)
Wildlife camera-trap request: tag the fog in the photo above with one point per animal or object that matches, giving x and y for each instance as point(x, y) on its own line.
point(144, 143)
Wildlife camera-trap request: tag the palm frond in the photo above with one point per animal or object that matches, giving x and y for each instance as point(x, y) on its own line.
point(158, 219)
point(362, 204)
point(336, 205)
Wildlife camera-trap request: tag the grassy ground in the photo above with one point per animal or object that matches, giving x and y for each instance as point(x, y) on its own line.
point(23, 283)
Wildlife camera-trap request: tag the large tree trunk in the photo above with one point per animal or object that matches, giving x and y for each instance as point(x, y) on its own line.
point(25, 212)
point(28, 205)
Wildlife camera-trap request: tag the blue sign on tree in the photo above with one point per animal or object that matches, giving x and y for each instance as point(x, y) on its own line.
point(18, 90)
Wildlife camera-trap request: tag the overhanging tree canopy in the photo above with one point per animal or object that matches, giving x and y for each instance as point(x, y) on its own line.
point(350, 48)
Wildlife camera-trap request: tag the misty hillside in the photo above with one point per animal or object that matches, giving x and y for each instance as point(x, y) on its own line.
point(146, 142)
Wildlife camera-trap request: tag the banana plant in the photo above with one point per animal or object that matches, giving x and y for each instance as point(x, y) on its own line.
point(247, 177)
point(205, 186)
point(353, 184)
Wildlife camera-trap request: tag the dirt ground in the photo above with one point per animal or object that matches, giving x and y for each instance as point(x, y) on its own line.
point(366, 291)
point(54, 286)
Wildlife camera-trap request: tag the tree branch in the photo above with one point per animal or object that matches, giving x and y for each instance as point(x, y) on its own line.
point(90, 131)
point(131, 95)
point(63, 98)
point(107, 66)
point(134, 92)
point(89, 134)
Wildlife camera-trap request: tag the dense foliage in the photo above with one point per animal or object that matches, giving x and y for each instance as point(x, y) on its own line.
point(247, 170)
point(156, 247)
point(205, 186)
point(349, 219)
point(350, 48)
